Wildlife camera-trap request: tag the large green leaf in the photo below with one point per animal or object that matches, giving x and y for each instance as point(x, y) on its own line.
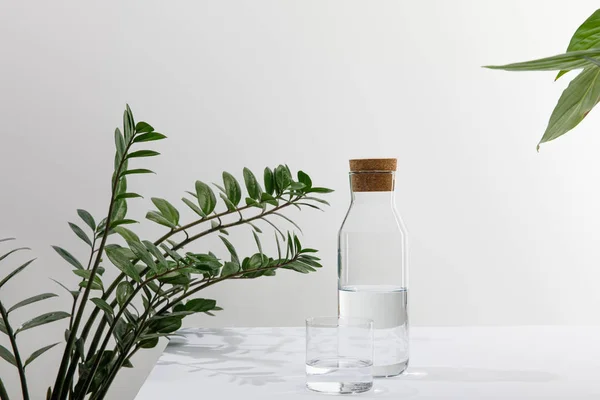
point(43, 319)
point(565, 61)
point(194, 207)
point(576, 101)
point(149, 137)
point(117, 256)
point(232, 188)
point(206, 197)
point(167, 210)
point(269, 180)
point(200, 305)
point(38, 353)
point(31, 300)
point(587, 36)
point(124, 291)
point(128, 123)
point(68, 257)
point(254, 189)
point(159, 219)
point(15, 272)
point(7, 355)
point(143, 127)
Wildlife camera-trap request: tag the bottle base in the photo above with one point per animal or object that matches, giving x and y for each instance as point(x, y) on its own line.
point(387, 371)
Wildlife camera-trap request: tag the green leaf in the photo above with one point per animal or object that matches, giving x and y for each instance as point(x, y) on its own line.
point(143, 127)
point(317, 200)
point(128, 124)
point(3, 327)
point(269, 180)
point(128, 196)
point(43, 319)
point(267, 198)
point(231, 249)
point(38, 353)
point(119, 210)
point(68, 257)
point(565, 61)
point(200, 305)
point(143, 153)
point(87, 218)
point(4, 394)
point(124, 291)
point(149, 343)
point(228, 203)
point(6, 239)
point(116, 255)
point(87, 274)
point(159, 219)
point(289, 220)
point(172, 253)
point(80, 233)
point(103, 305)
point(257, 240)
point(167, 210)
point(115, 224)
point(319, 190)
point(304, 178)
point(149, 137)
point(143, 254)
point(254, 189)
point(194, 207)
point(8, 356)
point(230, 268)
point(576, 101)
point(587, 36)
point(156, 253)
point(138, 171)
point(165, 325)
point(74, 293)
point(13, 251)
point(206, 197)
point(297, 245)
point(297, 186)
point(31, 300)
point(93, 285)
point(232, 188)
point(15, 272)
point(283, 179)
point(120, 146)
point(126, 234)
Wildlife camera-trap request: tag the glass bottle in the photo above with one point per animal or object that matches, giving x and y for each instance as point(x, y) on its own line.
point(373, 263)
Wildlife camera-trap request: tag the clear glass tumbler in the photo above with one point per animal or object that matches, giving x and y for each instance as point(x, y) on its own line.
point(339, 355)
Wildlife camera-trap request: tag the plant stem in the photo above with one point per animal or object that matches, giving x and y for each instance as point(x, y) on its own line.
point(61, 384)
point(13, 343)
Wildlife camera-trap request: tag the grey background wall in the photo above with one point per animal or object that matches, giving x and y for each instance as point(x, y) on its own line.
point(500, 235)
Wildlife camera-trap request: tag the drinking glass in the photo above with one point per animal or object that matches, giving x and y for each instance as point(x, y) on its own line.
point(339, 354)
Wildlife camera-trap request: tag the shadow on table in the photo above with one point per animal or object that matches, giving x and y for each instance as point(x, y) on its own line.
point(449, 374)
point(254, 364)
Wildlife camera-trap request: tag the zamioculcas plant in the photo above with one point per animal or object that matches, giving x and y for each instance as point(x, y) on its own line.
point(159, 280)
point(583, 92)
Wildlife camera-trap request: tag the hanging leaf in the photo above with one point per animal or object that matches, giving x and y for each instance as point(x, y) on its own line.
point(38, 353)
point(167, 210)
point(200, 305)
point(126, 234)
point(42, 320)
point(254, 189)
point(87, 218)
point(206, 197)
point(143, 127)
point(116, 255)
point(31, 300)
point(577, 100)
point(138, 171)
point(143, 153)
point(143, 254)
point(124, 291)
point(15, 272)
point(194, 207)
point(149, 137)
point(159, 219)
point(257, 240)
point(232, 188)
point(8, 356)
point(231, 249)
point(269, 180)
point(80, 233)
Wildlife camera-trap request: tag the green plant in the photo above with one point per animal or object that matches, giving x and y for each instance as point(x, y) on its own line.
point(110, 321)
point(583, 92)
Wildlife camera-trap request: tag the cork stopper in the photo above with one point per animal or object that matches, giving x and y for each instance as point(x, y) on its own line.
point(372, 174)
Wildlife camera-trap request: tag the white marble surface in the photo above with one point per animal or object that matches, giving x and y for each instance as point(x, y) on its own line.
point(446, 363)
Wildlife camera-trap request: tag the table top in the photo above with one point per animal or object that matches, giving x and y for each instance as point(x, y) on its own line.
point(446, 363)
